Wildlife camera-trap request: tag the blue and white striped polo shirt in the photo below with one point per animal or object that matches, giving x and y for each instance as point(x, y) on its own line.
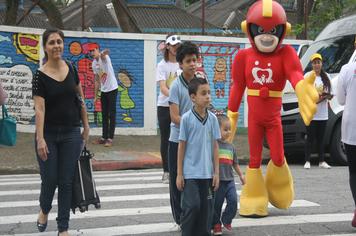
point(178, 94)
point(199, 134)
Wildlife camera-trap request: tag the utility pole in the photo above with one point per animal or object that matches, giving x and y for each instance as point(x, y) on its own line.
point(305, 19)
point(83, 15)
point(203, 17)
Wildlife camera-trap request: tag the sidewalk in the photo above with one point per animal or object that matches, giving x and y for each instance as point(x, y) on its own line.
point(128, 152)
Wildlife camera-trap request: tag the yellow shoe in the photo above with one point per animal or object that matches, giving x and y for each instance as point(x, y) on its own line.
point(279, 184)
point(254, 197)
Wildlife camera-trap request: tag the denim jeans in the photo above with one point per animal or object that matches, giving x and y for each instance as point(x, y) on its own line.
point(197, 207)
point(174, 193)
point(64, 146)
point(226, 190)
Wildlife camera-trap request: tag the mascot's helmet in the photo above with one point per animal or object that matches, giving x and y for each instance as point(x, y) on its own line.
point(267, 14)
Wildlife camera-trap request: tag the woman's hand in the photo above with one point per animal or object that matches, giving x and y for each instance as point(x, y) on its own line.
point(42, 149)
point(242, 179)
point(85, 134)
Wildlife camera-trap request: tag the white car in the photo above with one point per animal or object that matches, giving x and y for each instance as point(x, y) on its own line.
point(336, 45)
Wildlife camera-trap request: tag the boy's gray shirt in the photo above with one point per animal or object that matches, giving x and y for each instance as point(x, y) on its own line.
point(178, 94)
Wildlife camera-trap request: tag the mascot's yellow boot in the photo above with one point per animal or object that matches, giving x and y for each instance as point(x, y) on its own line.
point(254, 197)
point(279, 184)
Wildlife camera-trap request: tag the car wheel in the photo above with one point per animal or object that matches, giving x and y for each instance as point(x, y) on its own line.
point(337, 150)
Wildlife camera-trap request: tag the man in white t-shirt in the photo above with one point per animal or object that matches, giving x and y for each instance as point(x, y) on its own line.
point(105, 80)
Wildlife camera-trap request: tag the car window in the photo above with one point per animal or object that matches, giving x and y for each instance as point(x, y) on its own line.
point(336, 52)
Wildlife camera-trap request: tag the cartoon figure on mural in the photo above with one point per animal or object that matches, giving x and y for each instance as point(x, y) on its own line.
point(125, 82)
point(80, 54)
point(219, 80)
point(27, 45)
point(263, 69)
point(200, 72)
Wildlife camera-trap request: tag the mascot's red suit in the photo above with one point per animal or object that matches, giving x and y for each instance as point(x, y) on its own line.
point(263, 69)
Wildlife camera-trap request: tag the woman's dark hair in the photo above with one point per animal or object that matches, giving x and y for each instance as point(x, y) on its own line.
point(46, 35)
point(166, 51)
point(186, 48)
point(325, 79)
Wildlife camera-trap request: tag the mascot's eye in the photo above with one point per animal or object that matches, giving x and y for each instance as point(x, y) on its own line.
point(273, 31)
point(260, 30)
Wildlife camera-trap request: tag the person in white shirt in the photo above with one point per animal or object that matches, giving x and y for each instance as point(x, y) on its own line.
point(346, 96)
point(167, 72)
point(105, 80)
point(316, 129)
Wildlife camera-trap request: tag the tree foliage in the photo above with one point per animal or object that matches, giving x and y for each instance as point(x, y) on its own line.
point(325, 11)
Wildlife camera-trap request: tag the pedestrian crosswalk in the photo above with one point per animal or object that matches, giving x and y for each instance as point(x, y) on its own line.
point(133, 202)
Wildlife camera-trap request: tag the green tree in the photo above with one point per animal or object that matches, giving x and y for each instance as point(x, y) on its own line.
point(325, 11)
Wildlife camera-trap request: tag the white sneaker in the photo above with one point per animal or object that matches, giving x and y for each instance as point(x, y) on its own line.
point(324, 165)
point(165, 178)
point(307, 165)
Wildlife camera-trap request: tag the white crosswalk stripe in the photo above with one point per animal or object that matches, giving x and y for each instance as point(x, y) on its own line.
point(138, 195)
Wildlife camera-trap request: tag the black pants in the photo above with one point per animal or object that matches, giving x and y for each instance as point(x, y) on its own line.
point(64, 145)
point(164, 122)
point(351, 159)
point(315, 133)
point(197, 207)
point(174, 193)
point(108, 107)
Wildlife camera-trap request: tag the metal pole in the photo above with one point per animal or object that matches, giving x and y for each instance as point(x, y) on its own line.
point(83, 15)
point(305, 19)
point(203, 17)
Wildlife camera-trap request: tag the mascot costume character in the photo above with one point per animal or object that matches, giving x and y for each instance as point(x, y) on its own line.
point(263, 69)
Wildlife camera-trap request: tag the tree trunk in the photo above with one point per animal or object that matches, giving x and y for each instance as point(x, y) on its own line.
point(11, 12)
point(52, 13)
point(300, 17)
point(126, 20)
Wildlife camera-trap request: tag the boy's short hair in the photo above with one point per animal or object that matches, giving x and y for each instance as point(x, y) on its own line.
point(186, 48)
point(194, 85)
point(222, 118)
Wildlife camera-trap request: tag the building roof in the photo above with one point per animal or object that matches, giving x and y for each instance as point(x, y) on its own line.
point(217, 11)
point(150, 18)
point(31, 20)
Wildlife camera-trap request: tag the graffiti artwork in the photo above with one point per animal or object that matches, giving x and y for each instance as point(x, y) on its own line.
point(27, 45)
point(130, 94)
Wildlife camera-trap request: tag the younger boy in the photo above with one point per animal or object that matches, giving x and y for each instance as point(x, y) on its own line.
point(227, 190)
point(198, 161)
point(179, 103)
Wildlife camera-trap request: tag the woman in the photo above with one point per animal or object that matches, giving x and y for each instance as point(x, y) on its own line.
point(166, 73)
point(316, 129)
point(346, 95)
point(58, 97)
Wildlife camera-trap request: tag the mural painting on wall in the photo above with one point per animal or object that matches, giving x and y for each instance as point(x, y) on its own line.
point(130, 94)
point(215, 64)
point(18, 60)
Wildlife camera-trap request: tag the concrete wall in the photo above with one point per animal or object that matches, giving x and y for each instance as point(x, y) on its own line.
point(133, 55)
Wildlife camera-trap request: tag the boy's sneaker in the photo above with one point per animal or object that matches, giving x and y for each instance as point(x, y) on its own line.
point(217, 229)
point(99, 141)
point(228, 228)
point(324, 165)
point(307, 165)
point(353, 222)
point(165, 178)
point(108, 143)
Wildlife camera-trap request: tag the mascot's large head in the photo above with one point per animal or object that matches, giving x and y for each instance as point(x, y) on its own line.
point(266, 25)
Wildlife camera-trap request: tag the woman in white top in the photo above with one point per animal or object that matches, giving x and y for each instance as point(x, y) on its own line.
point(167, 71)
point(316, 129)
point(346, 95)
